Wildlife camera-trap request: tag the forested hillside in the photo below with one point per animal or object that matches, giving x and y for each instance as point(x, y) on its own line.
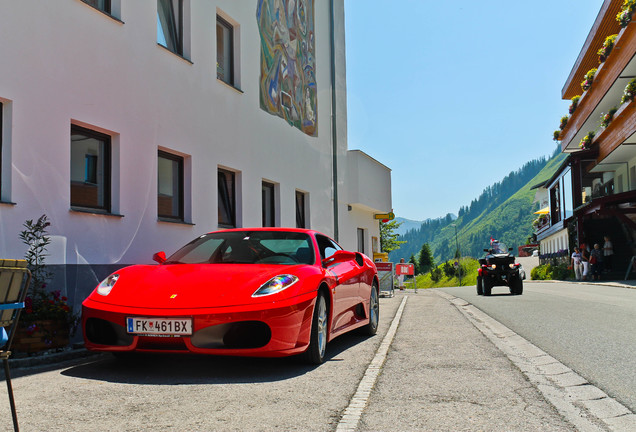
point(504, 211)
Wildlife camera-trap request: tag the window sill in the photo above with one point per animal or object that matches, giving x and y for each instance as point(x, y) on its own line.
point(174, 221)
point(236, 89)
point(174, 53)
point(9, 203)
point(96, 212)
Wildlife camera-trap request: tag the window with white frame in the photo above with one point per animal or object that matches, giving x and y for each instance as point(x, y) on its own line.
point(225, 51)
point(269, 204)
point(226, 198)
point(170, 187)
point(301, 210)
point(90, 169)
point(1, 150)
point(361, 248)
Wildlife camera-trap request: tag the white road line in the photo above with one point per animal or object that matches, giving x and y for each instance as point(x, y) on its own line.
point(587, 407)
point(351, 416)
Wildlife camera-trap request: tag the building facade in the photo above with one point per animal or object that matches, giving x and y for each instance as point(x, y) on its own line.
point(117, 124)
point(593, 193)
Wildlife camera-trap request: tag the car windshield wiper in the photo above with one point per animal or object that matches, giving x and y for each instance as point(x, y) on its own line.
point(172, 262)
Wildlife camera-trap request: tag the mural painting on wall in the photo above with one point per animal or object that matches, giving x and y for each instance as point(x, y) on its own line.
point(288, 65)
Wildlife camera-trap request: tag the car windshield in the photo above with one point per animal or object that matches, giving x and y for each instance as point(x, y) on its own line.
point(497, 247)
point(247, 247)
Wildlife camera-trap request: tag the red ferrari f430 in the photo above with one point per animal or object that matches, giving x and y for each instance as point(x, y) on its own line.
point(265, 292)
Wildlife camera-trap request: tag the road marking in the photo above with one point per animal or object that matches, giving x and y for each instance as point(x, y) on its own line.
point(353, 413)
point(587, 407)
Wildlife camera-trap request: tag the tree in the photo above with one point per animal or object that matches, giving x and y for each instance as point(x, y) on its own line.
point(388, 237)
point(416, 265)
point(425, 261)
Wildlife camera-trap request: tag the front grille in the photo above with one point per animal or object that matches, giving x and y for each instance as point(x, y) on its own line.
point(102, 332)
point(237, 335)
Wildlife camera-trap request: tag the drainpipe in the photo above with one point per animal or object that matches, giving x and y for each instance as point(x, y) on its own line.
point(334, 129)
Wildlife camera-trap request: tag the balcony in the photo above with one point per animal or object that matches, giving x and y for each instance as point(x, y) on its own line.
point(606, 92)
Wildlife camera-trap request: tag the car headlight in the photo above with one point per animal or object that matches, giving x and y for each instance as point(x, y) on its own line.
point(107, 284)
point(512, 266)
point(493, 266)
point(276, 285)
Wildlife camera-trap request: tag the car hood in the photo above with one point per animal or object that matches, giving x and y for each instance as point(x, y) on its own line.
point(195, 285)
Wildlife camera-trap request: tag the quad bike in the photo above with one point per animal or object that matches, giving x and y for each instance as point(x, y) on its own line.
point(498, 268)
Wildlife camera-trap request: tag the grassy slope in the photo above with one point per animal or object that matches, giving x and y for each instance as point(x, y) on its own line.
point(510, 222)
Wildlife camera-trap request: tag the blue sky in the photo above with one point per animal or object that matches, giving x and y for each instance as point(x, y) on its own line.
point(452, 96)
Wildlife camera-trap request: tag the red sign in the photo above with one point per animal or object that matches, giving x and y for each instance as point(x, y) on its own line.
point(405, 269)
point(384, 266)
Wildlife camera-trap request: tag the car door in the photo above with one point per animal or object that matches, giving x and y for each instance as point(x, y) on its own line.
point(345, 294)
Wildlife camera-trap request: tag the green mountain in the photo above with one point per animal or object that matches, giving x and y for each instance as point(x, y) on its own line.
point(504, 211)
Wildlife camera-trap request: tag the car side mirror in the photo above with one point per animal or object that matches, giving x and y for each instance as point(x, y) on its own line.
point(339, 257)
point(486, 250)
point(159, 257)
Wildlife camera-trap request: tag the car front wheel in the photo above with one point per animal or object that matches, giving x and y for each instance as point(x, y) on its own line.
point(315, 353)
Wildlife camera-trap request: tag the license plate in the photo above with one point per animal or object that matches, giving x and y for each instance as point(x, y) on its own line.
point(159, 326)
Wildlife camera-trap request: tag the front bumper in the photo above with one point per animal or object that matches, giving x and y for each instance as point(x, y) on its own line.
point(265, 330)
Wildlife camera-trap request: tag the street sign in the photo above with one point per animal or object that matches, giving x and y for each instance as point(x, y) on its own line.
point(405, 269)
point(384, 216)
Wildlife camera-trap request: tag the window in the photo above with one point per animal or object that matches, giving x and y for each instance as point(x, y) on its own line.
point(90, 169)
point(227, 198)
point(102, 5)
point(170, 25)
point(301, 211)
point(361, 240)
point(269, 203)
point(1, 149)
point(555, 204)
point(632, 177)
point(170, 186)
point(224, 51)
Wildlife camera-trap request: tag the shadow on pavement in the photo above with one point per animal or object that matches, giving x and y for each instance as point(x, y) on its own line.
point(190, 369)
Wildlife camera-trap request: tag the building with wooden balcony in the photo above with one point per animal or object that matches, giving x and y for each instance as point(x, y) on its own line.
point(593, 193)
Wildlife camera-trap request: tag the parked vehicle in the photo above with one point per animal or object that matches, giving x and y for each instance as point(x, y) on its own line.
point(266, 292)
point(498, 268)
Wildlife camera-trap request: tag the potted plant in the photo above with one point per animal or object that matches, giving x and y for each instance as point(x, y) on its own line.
point(624, 17)
point(589, 79)
point(629, 92)
point(606, 119)
point(586, 141)
point(575, 103)
point(47, 320)
point(606, 49)
point(564, 121)
point(556, 136)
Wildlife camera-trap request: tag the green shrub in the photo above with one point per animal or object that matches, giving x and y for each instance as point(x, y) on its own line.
point(551, 272)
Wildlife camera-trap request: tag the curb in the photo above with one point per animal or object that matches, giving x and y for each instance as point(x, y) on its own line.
point(603, 283)
point(584, 405)
point(51, 358)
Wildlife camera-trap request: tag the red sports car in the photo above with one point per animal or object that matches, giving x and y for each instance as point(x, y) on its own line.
point(249, 292)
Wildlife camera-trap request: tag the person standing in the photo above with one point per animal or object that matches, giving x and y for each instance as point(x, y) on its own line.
point(608, 252)
point(585, 259)
point(596, 260)
point(577, 264)
point(401, 277)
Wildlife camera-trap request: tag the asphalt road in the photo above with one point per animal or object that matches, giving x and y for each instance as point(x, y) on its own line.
point(439, 374)
point(588, 327)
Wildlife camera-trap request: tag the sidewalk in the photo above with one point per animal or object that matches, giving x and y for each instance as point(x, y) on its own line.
point(444, 374)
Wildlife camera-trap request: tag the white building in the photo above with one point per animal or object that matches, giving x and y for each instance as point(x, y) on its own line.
point(119, 126)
